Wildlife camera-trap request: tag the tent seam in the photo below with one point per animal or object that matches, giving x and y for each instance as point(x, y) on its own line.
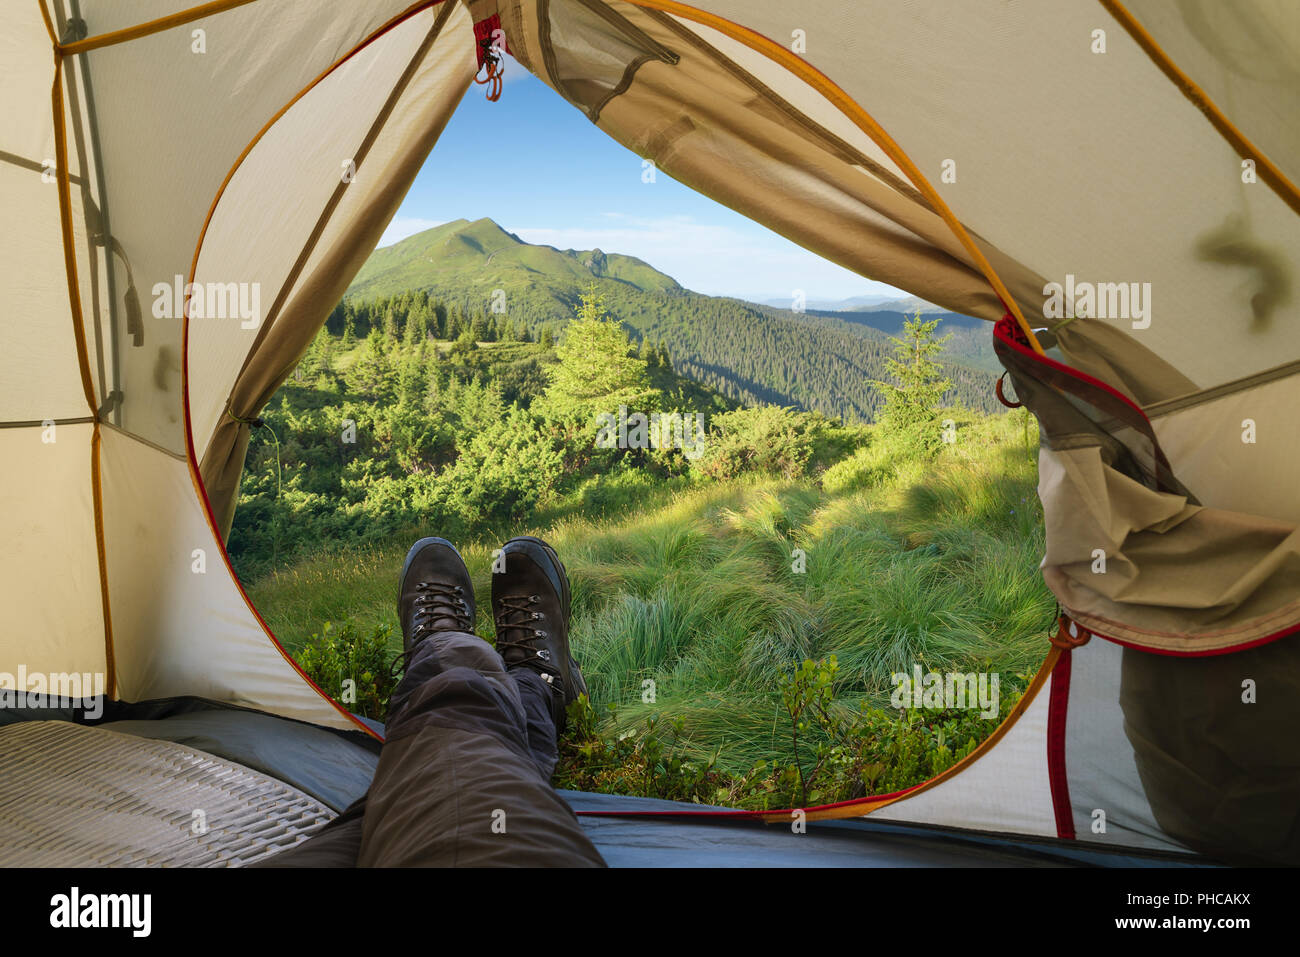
point(83, 359)
point(1057, 716)
point(195, 477)
point(855, 112)
point(1274, 177)
point(149, 27)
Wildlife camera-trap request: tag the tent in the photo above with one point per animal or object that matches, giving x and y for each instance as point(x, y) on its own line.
point(188, 190)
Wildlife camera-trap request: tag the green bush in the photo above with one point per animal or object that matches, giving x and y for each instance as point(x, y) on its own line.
point(772, 441)
point(840, 754)
point(504, 471)
point(354, 667)
point(646, 764)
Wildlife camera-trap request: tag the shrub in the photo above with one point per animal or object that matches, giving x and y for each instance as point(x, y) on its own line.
point(840, 754)
point(643, 764)
point(771, 441)
point(352, 666)
point(505, 471)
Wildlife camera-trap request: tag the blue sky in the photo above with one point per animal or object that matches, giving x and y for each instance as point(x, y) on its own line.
point(573, 187)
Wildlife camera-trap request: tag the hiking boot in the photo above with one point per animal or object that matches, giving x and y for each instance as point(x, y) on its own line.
point(530, 605)
point(435, 592)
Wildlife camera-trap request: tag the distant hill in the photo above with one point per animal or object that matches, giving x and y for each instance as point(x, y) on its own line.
point(475, 258)
point(869, 303)
point(821, 360)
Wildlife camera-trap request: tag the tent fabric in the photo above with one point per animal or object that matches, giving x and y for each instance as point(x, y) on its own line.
point(202, 637)
point(1247, 62)
point(428, 86)
point(1082, 175)
point(706, 119)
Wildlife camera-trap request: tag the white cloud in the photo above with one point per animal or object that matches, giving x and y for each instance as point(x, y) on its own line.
point(404, 226)
point(711, 259)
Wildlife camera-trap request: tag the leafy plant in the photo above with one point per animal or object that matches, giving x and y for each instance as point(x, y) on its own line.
point(352, 666)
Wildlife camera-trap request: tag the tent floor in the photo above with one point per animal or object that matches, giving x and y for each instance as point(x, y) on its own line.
point(251, 760)
point(75, 796)
point(681, 841)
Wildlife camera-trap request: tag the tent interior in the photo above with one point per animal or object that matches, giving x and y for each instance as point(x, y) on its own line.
point(129, 159)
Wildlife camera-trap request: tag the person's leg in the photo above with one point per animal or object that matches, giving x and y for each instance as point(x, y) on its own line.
point(334, 845)
point(464, 774)
point(458, 783)
point(338, 844)
point(539, 722)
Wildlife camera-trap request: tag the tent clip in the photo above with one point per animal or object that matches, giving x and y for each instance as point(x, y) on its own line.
point(1069, 634)
point(997, 389)
point(254, 422)
point(74, 30)
point(492, 67)
point(111, 402)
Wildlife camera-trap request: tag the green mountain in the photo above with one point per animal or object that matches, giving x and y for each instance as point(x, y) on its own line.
point(476, 258)
point(817, 361)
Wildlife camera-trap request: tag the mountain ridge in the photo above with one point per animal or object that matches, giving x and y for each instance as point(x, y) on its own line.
point(815, 359)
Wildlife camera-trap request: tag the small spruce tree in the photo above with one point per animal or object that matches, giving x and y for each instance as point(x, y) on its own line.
point(595, 372)
point(911, 401)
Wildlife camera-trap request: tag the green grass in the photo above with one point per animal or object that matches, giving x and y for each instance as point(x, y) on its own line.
point(692, 586)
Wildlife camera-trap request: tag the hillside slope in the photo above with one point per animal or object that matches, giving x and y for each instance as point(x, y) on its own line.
point(472, 259)
point(819, 361)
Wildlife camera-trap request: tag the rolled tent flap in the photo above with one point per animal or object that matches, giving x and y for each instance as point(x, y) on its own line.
point(745, 131)
point(1148, 541)
point(1150, 569)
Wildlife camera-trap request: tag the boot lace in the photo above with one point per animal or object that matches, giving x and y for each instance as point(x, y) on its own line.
point(434, 601)
point(517, 628)
point(437, 600)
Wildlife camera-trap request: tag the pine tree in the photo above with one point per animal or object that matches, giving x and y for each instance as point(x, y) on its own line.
point(322, 355)
point(416, 323)
point(478, 327)
point(412, 375)
point(372, 374)
point(595, 373)
point(911, 402)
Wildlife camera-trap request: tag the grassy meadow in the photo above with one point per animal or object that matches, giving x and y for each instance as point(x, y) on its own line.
point(908, 559)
